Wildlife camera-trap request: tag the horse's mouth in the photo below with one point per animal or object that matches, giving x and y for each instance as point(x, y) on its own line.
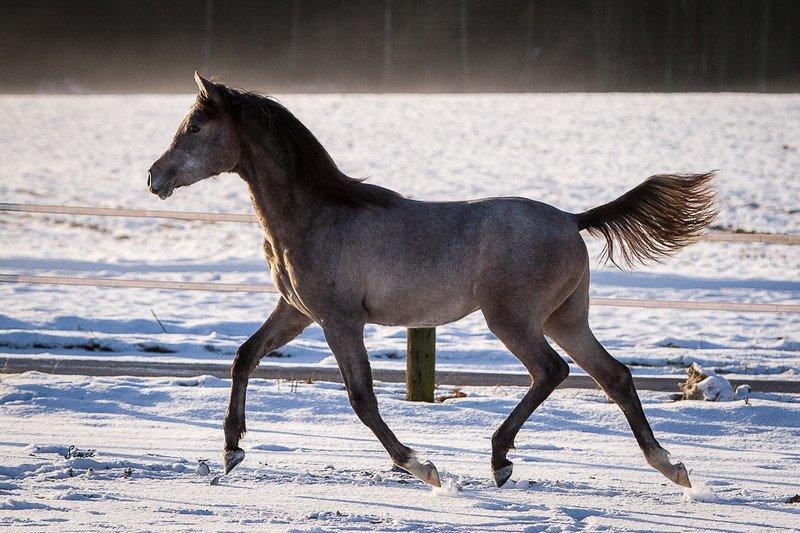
point(165, 191)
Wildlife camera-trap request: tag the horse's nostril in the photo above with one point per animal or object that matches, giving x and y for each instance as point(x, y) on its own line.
point(153, 190)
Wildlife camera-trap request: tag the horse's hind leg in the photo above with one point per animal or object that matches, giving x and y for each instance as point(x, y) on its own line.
point(547, 370)
point(284, 324)
point(347, 344)
point(569, 327)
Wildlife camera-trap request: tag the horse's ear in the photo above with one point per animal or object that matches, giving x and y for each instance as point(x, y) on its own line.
point(208, 89)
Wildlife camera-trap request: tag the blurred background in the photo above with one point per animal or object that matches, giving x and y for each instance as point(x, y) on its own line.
point(290, 46)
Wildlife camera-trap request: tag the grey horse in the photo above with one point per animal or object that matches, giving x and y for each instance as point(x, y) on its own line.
point(344, 253)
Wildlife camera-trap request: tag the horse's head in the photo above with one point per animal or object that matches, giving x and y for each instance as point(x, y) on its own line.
point(205, 144)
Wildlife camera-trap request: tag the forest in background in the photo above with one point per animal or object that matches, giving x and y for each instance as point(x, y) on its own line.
point(101, 46)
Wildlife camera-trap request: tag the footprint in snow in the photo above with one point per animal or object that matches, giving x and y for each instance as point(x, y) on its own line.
point(171, 510)
point(272, 448)
point(580, 513)
point(79, 496)
point(16, 398)
point(6, 488)
point(20, 505)
point(506, 506)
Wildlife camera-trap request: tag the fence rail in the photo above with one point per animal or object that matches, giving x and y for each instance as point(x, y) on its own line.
point(130, 213)
point(768, 238)
point(129, 283)
point(14, 364)
point(419, 377)
point(742, 307)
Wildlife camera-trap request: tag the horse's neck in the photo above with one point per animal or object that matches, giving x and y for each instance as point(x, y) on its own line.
point(283, 208)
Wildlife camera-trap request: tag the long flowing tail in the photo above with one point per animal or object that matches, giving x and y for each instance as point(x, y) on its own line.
point(653, 220)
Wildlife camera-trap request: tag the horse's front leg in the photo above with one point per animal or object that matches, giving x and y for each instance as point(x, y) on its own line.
point(284, 324)
point(347, 344)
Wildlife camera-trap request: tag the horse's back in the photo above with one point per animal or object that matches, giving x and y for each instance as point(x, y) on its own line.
point(451, 255)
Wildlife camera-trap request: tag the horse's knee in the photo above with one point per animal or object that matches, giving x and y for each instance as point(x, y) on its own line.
point(360, 399)
point(618, 382)
point(552, 373)
point(357, 399)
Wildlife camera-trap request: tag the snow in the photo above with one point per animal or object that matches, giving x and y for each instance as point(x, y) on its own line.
point(311, 465)
point(701, 491)
point(716, 389)
point(573, 151)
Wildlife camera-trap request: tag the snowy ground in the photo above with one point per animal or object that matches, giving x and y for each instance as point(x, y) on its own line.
point(574, 151)
point(312, 466)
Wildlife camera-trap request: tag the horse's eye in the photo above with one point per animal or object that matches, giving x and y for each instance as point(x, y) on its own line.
point(194, 129)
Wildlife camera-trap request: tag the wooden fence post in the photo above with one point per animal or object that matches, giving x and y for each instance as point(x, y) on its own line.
point(421, 364)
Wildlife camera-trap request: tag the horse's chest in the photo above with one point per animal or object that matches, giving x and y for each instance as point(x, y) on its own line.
point(282, 279)
point(291, 281)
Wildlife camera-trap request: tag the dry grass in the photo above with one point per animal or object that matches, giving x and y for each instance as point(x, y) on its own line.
point(455, 393)
point(689, 388)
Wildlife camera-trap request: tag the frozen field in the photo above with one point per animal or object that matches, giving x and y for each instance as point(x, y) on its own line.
point(312, 466)
point(574, 151)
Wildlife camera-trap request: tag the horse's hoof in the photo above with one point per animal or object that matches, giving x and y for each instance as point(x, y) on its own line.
point(681, 476)
point(501, 475)
point(233, 458)
point(424, 472)
point(660, 460)
point(399, 470)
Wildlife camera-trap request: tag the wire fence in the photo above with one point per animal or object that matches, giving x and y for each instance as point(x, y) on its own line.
point(743, 307)
point(715, 236)
point(420, 374)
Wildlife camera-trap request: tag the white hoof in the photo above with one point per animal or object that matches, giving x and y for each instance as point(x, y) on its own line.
point(424, 472)
point(502, 475)
point(233, 458)
point(660, 460)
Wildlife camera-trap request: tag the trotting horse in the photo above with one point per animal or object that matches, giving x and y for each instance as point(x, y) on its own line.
point(344, 253)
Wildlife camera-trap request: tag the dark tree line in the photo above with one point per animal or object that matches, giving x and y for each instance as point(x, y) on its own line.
point(402, 45)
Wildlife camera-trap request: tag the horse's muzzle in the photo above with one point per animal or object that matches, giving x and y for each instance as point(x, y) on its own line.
point(160, 185)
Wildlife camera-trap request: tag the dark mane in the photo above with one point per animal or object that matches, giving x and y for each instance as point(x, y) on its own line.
point(307, 159)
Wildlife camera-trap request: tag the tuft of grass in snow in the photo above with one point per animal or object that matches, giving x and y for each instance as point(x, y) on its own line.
point(455, 393)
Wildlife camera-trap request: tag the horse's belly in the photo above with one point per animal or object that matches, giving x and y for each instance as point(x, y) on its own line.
point(420, 308)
